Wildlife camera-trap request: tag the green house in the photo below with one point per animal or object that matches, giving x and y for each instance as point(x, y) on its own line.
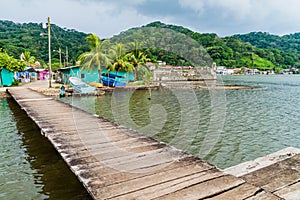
point(89, 76)
point(74, 71)
point(7, 77)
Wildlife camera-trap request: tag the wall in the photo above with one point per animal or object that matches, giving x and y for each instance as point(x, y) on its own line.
point(7, 77)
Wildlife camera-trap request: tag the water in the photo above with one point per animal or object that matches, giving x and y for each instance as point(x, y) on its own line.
point(223, 127)
point(30, 168)
point(256, 122)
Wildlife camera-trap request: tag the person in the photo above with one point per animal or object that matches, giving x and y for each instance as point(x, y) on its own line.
point(62, 91)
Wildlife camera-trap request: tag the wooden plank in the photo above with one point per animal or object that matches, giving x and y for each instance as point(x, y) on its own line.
point(276, 175)
point(204, 189)
point(264, 196)
point(119, 176)
point(143, 187)
point(241, 192)
point(290, 192)
point(262, 162)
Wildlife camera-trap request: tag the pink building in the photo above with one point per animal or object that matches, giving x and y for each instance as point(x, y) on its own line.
point(42, 74)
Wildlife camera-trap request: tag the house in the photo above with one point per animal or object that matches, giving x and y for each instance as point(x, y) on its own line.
point(151, 66)
point(29, 74)
point(221, 70)
point(65, 73)
point(91, 76)
point(6, 77)
point(42, 74)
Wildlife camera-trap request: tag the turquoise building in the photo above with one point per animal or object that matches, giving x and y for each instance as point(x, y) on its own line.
point(7, 77)
point(74, 71)
point(90, 76)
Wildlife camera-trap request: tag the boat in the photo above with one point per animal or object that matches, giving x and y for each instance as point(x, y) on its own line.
point(111, 80)
point(80, 86)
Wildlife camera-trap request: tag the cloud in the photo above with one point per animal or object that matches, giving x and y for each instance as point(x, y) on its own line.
point(109, 17)
point(105, 18)
point(232, 16)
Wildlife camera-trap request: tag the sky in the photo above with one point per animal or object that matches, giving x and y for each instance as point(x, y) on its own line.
point(110, 17)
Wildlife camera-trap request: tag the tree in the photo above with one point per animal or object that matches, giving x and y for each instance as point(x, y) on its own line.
point(97, 56)
point(28, 58)
point(120, 61)
point(137, 58)
point(10, 63)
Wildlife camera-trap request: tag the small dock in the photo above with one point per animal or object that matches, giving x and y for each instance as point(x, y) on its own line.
point(114, 162)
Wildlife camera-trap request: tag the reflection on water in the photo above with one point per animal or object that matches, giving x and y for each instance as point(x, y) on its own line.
point(30, 168)
point(257, 121)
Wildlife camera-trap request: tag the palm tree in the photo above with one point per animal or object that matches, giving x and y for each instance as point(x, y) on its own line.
point(97, 56)
point(137, 58)
point(28, 58)
point(120, 61)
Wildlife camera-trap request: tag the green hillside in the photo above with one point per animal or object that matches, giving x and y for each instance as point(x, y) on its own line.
point(16, 38)
point(238, 51)
point(286, 49)
point(255, 50)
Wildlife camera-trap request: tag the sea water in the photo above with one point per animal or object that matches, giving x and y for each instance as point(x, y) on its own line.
point(30, 168)
point(224, 128)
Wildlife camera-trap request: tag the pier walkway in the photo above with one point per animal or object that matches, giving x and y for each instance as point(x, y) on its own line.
point(114, 162)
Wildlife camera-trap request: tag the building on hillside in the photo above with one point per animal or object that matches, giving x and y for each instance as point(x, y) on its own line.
point(6, 78)
point(183, 73)
point(221, 70)
point(151, 66)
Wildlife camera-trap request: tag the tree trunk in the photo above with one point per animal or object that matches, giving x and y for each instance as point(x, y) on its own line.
point(1, 84)
point(99, 76)
point(135, 74)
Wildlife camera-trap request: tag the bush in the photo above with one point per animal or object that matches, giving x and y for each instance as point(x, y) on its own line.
point(15, 82)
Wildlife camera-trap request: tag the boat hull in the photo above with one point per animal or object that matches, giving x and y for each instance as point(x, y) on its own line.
point(80, 86)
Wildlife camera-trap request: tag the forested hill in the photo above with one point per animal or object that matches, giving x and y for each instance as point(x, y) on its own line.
point(16, 38)
point(266, 40)
point(250, 50)
point(289, 45)
point(254, 50)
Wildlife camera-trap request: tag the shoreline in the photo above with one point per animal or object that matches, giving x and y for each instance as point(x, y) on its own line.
point(55, 91)
point(3, 93)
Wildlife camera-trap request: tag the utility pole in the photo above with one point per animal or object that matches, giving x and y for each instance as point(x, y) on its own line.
point(49, 49)
point(60, 63)
point(67, 56)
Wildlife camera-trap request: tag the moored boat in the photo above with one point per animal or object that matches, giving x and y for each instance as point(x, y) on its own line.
point(80, 86)
point(111, 80)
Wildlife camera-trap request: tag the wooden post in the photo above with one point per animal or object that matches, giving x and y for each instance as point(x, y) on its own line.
point(49, 49)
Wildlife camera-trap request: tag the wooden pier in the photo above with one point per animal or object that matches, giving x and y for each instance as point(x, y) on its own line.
point(114, 162)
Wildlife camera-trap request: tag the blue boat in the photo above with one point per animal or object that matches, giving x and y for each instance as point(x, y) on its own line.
point(111, 80)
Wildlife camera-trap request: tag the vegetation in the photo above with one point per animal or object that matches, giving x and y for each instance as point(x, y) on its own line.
point(113, 57)
point(96, 56)
point(17, 38)
point(268, 51)
point(282, 51)
point(10, 63)
point(138, 58)
point(120, 61)
point(254, 50)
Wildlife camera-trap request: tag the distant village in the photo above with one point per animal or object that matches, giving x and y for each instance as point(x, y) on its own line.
point(160, 70)
point(221, 70)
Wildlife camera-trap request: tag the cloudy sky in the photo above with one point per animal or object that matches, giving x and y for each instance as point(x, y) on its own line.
point(109, 17)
